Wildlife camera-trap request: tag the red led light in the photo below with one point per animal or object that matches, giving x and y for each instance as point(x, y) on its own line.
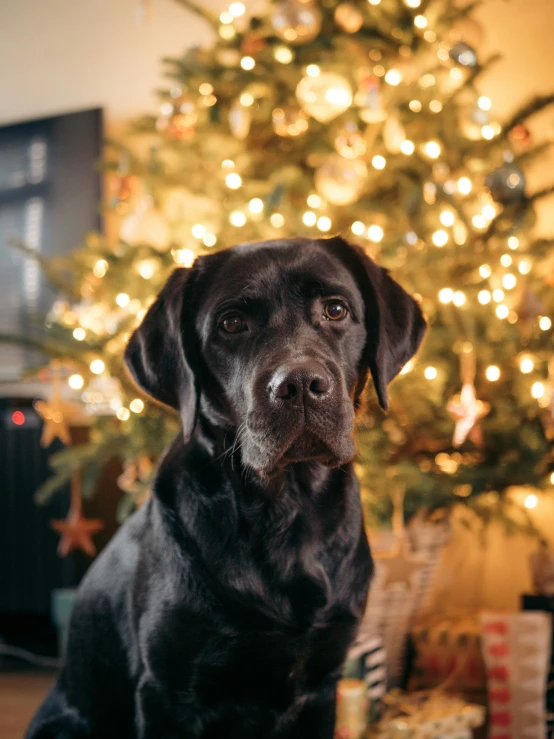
point(18, 417)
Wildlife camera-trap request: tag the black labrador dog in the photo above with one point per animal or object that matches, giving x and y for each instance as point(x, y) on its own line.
point(224, 608)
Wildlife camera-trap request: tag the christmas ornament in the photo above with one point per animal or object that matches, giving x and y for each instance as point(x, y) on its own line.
point(506, 184)
point(467, 411)
point(368, 99)
point(348, 17)
point(178, 117)
point(136, 474)
point(55, 413)
point(350, 143)
point(240, 120)
point(76, 531)
point(463, 54)
point(401, 564)
point(289, 121)
point(324, 97)
point(340, 180)
point(146, 226)
point(296, 21)
point(520, 136)
point(394, 135)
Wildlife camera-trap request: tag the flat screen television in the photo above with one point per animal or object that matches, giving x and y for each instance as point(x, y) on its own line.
point(50, 192)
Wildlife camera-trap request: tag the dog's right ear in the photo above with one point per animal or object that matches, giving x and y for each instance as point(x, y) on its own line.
point(156, 354)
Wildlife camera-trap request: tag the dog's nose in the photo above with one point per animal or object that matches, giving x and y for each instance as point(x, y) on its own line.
point(301, 384)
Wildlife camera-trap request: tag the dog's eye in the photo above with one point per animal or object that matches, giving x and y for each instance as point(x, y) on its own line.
point(334, 310)
point(233, 324)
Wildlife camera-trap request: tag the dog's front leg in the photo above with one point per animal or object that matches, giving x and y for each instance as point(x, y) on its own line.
point(156, 716)
point(317, 718)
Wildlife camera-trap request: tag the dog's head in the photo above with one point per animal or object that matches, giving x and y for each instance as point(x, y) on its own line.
point(274, 341)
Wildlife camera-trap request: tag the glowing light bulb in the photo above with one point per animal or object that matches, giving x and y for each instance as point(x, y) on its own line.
point(456, 74)
point(374, 2)
point(393, 77)
point(146, 268)
point(237, 219)
point(545, 323)
point(198, 230)
point(97, 366)
point(375, 233)
point(420, 21)
point(79, 334)
point(509, 281)
point(407, 147)
point(209, 240)
point(412, 3)
point(484, 297)
point(435, 106)
point(427, 80)
point(227, 164)
point(247, 63)
point(440, 237)
point(498, 295)
point(309, 218)
point(513, 242)
point(487, 132)
point(489, 212)
point(552, 479)
point(227, 32)
point(256, 205)
point(484, 103)
point(75, 382)
point(233, 181)
point(430, 373)
point(246, 99)
point(237, 9)
point(505, 260)
point(432, 149)
point(123, 414)
point(464, 185)
point(537, 390)
point(324, 223)
point(205, 88)
point(415, 106)
point(502, 311)
point(478, 221)
point(492, 373)
point(226, 17)
point(277, 220)
point(447, 218)
point(531, 501)
point(358, 228)
point(485, 271)
point(408, 367)
point(283, 55)
point(100, 268)
point(314, 201)
point(526, 365)
point(122, 299)
point(446, 295)
point(459, 298)
point(136, 405)
point(524, 267)
point(312, 70)
point(379, 162)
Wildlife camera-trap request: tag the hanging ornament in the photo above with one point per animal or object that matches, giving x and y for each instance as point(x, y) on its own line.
point(350, 143)
point(520, 136)
point(289, 121)
point(252, 44)
point(240, 120)
point(463, 54)
point(467, 411)
point(369, 100)
point(55, 413)
point(324, 97)
point(296, 21)
point(394, 135)
point(401, 564)
point(146, 226)
point(76, 531)
point(178, 117)
point(348, 17)
point(341, 181)
point(506, 184)
point(136, 475)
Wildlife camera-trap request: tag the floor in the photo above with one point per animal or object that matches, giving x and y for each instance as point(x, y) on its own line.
point(20, 695)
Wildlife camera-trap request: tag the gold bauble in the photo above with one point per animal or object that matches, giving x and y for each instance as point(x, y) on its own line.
point(349, 17)
point(324, 97)
point(296, 22)
point(341, 181)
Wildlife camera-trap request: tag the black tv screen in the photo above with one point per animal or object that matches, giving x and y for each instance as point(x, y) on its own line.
point(50, 192)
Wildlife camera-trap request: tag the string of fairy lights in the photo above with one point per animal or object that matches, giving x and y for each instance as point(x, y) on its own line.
point(324, 95)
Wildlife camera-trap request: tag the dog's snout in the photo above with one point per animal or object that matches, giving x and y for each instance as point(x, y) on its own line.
point(301, 384)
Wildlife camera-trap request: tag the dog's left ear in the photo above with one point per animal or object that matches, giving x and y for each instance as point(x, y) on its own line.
point(157, 355)
point(394, 323)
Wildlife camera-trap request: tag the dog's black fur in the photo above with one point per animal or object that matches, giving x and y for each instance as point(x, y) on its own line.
point(225, 606)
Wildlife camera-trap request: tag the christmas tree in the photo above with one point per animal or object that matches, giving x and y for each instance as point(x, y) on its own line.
point(323, 117)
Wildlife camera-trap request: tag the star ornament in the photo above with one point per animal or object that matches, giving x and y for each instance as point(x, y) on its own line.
point(401, 564)
point(467, 411)
point(76, 532)
point(54, 414)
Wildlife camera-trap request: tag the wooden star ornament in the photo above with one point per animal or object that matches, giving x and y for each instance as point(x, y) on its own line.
point(76, 530)
point(401, 564)
point(467, 411)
